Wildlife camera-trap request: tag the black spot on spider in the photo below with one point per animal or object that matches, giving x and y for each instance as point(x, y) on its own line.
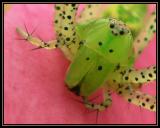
point(117, 67)
point(69, 17)
point(150, 75)
point(112, 25)
point(147, 100)
point(60, 14)
point(89, 6)
point(121, 32)
point(136, 78)
point(75, 8)
point(73, 5)
point(153, 13)
point(67, 39)
point(127, 88)
point(151, 27)
point(119, 92)
point(101, 104)
point(64, 12)
point(152, 106)
point(155, 71)
point(56, 21)
point(110, 50)
point(154, 31)
point(65, 28)
point(74, 33)
point(114, 33)
point(100, 43)
point(120, 86)
point(131, 93)
point(138, 96)
point(87, 58)
point(148, 80)
point(73, 41)
point(143, 76)
point(138, 41)
point(58, 41)
point(81, 43)
point(145, 39)
point(71, 22)
point(63, 17)
point(57, 8)
point(56, 45)
point(105, 105)
point(60, 34)
point(126, 78)
point(114, 81)
point(129, 100)
point(143, 104)
point(139, 52)
point(129, 70)
point(90, 13)
point(99, 68)
point(92, 105)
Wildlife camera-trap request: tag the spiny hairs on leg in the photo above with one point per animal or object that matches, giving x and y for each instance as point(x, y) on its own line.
point(36, 41)
point(146, 34)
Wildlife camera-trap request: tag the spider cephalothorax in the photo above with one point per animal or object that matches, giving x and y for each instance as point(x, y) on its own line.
point(102, 49)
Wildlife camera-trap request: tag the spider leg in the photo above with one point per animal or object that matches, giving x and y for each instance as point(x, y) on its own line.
point(91, 11)
point(65, 26)
point(107, 101)
point(133, 96)
point(131, 75)
point(144, 37)
point(35, 40)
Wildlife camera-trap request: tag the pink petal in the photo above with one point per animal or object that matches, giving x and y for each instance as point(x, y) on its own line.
point(34, 88)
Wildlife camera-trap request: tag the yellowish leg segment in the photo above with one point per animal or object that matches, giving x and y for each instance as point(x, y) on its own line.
point(133, 76)
point(146, 34)
point(91, 11)
point(36, 41)
point(135, 97)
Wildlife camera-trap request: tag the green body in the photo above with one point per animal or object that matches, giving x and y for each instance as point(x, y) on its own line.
point(107, 43)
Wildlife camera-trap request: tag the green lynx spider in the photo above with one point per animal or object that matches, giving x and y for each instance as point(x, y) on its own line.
point(93, 43)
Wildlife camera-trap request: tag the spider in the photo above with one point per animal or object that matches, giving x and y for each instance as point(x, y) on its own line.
point(72, 37)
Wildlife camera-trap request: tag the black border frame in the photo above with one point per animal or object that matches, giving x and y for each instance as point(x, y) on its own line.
point(76, 124)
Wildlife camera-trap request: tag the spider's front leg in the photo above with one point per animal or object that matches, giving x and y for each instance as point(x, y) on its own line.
point(36, 41)
point(66, 37)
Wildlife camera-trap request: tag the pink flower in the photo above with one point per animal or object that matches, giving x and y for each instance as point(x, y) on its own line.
point(34, 88)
